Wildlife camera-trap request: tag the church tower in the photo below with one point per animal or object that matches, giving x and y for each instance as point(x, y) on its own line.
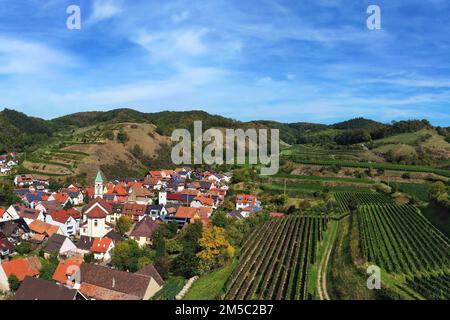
point(98, 192)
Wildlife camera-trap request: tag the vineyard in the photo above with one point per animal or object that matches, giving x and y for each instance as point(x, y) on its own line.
point(400, 240)
point(350, 200)
point(275, 259)
point(434, 287)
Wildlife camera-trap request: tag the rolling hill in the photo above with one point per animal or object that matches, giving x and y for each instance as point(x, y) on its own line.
point(80, 143)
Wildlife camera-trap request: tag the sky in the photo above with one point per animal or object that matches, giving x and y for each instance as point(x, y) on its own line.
point(290, 61)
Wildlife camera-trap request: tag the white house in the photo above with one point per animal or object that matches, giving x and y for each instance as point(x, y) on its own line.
point(59, 244)
point(65, 222)
point(101, 247)
point(7, 216)
point(29, 215)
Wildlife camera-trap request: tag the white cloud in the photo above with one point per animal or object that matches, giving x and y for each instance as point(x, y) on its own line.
point(173, 44)
point(104, 9)
point(24, 57)
point(180, 17)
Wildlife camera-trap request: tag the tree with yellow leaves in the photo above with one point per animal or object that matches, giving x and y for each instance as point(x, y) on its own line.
point(215, 249)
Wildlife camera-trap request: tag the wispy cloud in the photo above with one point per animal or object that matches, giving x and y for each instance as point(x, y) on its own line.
point(104, 9)
point(19, 57)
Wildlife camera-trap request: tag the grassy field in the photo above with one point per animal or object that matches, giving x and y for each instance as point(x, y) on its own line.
point(209, 286)
point(308, 188)
point(320, 178)
point(385, 166)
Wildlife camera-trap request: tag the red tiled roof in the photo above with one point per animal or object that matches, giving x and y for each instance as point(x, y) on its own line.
point(60, 216)
point(277, 214)
point(2, 212)
point(204, 201)
point(192, 213)
point(101, 245)
point(21, 267)
point(96, 213)
point(98, 201)
point(246, 198)
point(66, 268)
point(134, 209)
point(61, 197)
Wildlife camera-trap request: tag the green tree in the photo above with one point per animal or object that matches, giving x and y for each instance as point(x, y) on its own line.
point(89, 257)
point(13, 282)
point(123, 225)
point(173, 246)
point(23, 248)
point(160, 246)
point(220, 219)
point(48, 267)
point(125, 255)
point(122, 136)
point(186, 264)
point(162, 265)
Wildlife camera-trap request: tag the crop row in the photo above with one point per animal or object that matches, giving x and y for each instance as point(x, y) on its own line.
point(399, 239)
point(275, 260)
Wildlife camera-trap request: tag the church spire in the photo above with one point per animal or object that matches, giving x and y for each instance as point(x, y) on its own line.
point(98, 189)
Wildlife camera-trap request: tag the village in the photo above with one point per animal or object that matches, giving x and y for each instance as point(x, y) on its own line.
point(77, 229)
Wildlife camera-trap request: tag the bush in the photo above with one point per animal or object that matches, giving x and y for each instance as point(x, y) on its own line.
point(13, 282)
point(23, 248)
point(122, 136)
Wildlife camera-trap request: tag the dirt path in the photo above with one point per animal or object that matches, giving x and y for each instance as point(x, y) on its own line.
point(323, 266)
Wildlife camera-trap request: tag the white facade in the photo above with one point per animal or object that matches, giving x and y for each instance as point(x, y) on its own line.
point(69, 228)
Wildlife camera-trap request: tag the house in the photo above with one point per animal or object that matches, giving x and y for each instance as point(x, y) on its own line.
point(192, 214)
point(175, 198)
point(66, 269)
point(176, 183)
point(236, 214)
point(101, 248)
point(5, 170)
point(140, 195)
point(65, 220)
point(21, 268)
point(96, 219)
point(62, 198)
point(7, 216)
point(247, 200)
point(155, 211)
point(101, 283)
point(143, 231)
point(42, 230)
point(31, 199)
point(203, 202)
point(48, 206)
point(84, 244)
point(59, 244)
point(153, 183)
point(134, 211)
point(155, 174)
point(114, 236)
point(6, 247)
point(28, 214)
point(75, 195)
point(23, 180)
point(15, 230)
point(38, 289)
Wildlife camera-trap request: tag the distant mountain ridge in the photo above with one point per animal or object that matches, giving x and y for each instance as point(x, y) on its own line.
point(18, 131)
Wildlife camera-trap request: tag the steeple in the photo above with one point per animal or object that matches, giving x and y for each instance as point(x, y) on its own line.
point(99, 178)
point(98, 189)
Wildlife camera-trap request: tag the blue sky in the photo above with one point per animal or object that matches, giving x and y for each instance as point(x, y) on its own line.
point(302, 60)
